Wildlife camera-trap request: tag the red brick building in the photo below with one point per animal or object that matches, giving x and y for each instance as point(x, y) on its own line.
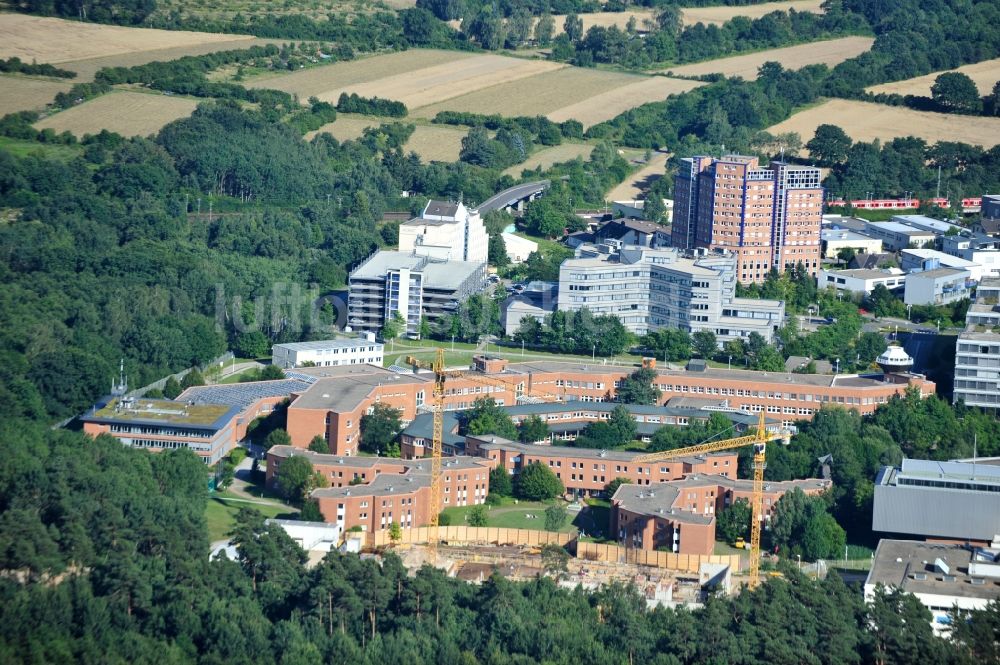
point(587, 471)
point(679, 516)
point(333, 405)
point(388, 490)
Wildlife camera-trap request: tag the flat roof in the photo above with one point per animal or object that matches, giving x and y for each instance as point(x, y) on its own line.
point(898, 227)
point(898, 561)
point(844, 234)
point(340, 343)
point(417, 475)
point(163, 412)
point(863, 273)
point(438, 274)
point(939, 272)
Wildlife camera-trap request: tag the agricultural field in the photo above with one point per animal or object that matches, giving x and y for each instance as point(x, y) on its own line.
point(429, 81)
point(22, 93)
point(985, 74)
point(548, 156)
point(636, 185)
point(606, 105)
point(58, 41)
point(416, 78)
point(689, 15)
point(864, 121)
point(127, 113)
point(829, 52)
point(538, 95)
point(440, 143)
point(721, 14)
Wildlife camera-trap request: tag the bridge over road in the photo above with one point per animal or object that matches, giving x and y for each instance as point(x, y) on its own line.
point(514, 198)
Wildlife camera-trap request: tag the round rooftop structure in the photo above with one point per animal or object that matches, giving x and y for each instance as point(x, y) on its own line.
point(894, 359)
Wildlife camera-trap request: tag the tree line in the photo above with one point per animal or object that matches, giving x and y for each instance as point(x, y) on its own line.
point(15, 65)
point(100, 583)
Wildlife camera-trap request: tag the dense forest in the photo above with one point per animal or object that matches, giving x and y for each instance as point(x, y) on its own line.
point(104, 558)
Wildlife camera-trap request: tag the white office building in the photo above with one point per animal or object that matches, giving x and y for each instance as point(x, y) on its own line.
point(835, 240)
point(940, 286)
point(981, 249)
point(913, 260)
point(447, 231)
point(649, 289)
point(977, 351)
point(897, 235)
point(861, 281)
point(328, 352)
point(942, 576)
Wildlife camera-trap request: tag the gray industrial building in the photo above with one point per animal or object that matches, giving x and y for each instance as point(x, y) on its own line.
point(958, 500)
point(412, 284)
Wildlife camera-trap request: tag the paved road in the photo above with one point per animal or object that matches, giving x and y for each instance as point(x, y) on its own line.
point(512, 195)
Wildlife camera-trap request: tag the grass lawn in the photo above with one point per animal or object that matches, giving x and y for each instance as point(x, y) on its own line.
point(20, 148)
point(722, 548)
point(220, 513)
point(509, 516)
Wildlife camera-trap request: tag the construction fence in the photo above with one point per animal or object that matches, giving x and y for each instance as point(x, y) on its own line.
point(689, 563)
point(464, 535)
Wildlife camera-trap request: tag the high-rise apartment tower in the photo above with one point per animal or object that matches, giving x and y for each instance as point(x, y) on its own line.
point(768, 217)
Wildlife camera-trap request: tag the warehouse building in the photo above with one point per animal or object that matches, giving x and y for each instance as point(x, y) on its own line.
point(956, 501)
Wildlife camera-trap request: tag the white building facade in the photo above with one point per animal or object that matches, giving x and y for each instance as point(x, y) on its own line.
point(861, 281)
point(447, 231)
point(977, 351)
point(328, 353)
point(650, 289)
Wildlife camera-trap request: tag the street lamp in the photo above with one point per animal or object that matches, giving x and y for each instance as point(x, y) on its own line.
point(908, 308)
point(799, 556)
point(730, 363)
point(593, 352)
point(836, 366)
point(452, 342)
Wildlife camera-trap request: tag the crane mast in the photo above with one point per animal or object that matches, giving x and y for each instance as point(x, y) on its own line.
point(759, 441)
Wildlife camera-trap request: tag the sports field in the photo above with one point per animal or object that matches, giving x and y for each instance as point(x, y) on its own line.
point(985, 74)
point(21, 93)
point(864, 121)
point(432, 142)
point(127, 113)
point(829, 52)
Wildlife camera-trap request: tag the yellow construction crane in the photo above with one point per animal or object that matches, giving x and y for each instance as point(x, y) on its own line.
point(440, 375)
point(759, 441)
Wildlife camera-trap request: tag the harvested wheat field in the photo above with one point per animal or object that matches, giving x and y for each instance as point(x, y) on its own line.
point(606, 105)
point(637, 184)
point(829, 52)
point(442, 82)
point(324, 80)
point(864, 121)
point(440, 143)
point(20, 93)
point(57, 41)
point(985, 74)
point(548, 156)
point(127, 113)
point(719, 15)
point(85, 69)
point(538, 95)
